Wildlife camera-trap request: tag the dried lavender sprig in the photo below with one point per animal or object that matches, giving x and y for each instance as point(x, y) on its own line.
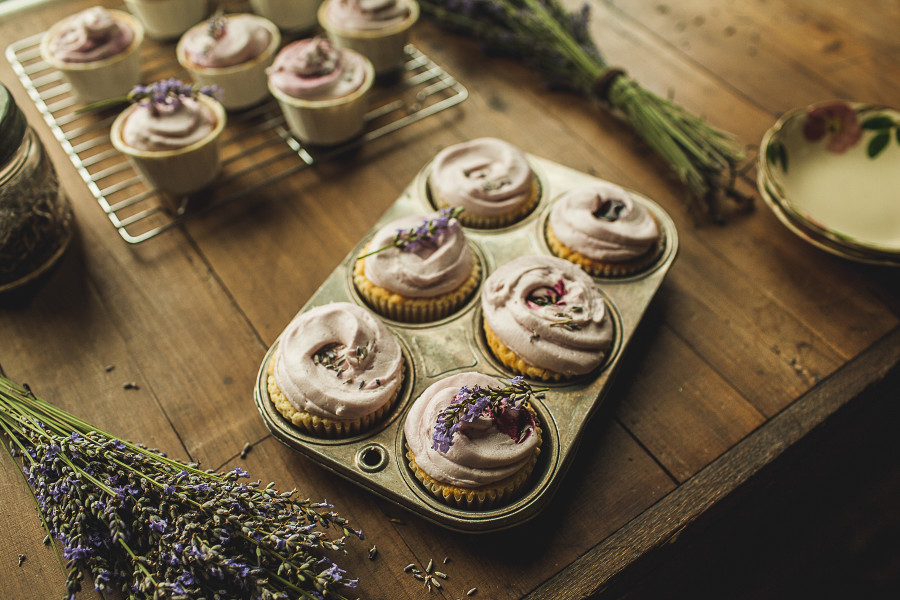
point(426, 233)
point(706, 160)
point(163, 93)
point(151, 526)
point(470, 403)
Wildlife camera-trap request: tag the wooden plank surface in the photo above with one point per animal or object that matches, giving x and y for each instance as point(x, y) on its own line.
point(748, 324)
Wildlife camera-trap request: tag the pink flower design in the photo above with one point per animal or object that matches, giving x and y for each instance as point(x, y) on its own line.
point(838, 122)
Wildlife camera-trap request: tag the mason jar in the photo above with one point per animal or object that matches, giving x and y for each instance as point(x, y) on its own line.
point(35, 214)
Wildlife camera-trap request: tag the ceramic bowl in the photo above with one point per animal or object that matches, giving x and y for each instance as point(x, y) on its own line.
point(831, 173)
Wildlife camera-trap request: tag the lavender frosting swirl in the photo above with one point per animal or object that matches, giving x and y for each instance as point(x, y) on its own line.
point(336, 336)
point(485, 176)
point(243, 38)
point(168, 126)
point(90, 35)
point(480, 455)
point(313, 69)
point(425, 271)
point(363, 15)
point(549, 312)
point(603, 222)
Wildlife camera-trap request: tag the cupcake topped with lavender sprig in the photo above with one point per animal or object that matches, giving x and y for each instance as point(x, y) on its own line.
point(171, 134)
point(472, 441)
point(418, 269)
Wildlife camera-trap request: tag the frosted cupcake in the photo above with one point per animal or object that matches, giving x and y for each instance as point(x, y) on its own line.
point(322, 91)
point(470, 445)
point(233, 53)
point(489, 178)
point(171, 135)
point(168, 19)
point(288, 15)
point(377, 29)
point(600, 227)
point(544, 318)
point(96, 50)
point(337, 371)
point(418, 269)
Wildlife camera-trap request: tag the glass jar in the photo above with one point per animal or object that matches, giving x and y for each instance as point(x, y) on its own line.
point(35, 213)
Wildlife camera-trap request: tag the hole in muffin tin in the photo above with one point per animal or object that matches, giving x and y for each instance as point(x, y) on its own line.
point(372, 458)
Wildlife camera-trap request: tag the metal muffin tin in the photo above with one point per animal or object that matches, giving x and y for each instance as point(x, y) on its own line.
point(376, 459)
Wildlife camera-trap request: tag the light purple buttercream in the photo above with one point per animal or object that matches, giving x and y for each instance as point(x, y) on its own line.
point(485, 176)
point(90, 35)
point(571, 336)
point(369, 378)
point(314, 69)
point(245, 37)
point(364, 15)
point(581, 220)
point(168, 127)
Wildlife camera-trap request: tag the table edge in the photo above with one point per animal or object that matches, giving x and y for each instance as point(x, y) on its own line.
point(604, 565)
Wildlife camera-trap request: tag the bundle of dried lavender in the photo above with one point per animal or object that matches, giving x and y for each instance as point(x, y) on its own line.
point(543, 33)
point(153, 527)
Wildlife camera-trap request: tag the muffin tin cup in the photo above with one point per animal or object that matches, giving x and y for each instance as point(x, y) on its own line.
point(376, 459)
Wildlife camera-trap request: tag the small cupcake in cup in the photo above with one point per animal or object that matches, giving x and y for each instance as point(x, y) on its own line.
point(168, 19)
point(289, 15)
point(171, 135)
point(322, 90)
point(231, 52)
point(96, 50)
point(377, 29)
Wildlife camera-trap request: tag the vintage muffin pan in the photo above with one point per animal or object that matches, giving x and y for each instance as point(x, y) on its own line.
point(376, 460)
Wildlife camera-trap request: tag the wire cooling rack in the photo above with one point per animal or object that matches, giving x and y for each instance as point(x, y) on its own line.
point(257, 148)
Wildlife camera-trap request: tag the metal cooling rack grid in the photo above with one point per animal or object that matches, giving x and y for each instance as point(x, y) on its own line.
point(257, 148)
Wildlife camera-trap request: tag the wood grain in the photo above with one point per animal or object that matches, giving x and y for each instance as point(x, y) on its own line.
point(754, 340)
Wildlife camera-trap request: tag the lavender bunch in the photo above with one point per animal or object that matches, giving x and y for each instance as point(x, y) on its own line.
point(542, 33)
point(425, 234)
point(153, 527)
point(470, 403)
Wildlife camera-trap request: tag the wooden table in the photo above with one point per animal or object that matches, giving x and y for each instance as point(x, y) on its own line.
point(756, 342)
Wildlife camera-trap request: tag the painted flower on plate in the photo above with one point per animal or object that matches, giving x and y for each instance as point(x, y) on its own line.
point(837, 122)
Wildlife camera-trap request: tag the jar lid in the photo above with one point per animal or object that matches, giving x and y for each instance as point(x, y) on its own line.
point(12, 125)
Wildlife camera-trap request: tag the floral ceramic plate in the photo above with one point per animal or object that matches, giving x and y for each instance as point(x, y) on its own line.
point(831, 173)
